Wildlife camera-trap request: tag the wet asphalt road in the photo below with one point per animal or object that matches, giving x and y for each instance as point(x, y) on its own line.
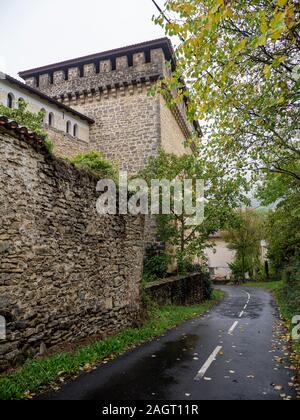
point(244, 368)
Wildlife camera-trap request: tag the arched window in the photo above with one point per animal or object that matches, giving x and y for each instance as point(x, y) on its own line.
point(75, 130)
point(69, 127)
point(51, 119)
point(10, 100)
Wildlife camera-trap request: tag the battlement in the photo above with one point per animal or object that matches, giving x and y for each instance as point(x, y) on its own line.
point(119, 68)
point(111, 88)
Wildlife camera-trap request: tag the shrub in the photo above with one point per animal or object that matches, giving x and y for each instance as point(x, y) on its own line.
point(185, 265)
point(33, 122)
point(94, 162)
point(208, 286)
point(290, 291)
point(156, 265)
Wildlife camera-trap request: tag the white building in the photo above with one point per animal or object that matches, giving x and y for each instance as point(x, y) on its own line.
point(58, 117)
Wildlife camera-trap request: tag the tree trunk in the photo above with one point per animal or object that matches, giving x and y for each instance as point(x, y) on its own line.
point(243, 268)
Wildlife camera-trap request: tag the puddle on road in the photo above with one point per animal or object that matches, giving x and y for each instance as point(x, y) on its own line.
point(150, 376)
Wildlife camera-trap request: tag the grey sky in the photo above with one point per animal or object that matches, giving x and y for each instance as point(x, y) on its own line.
point(38, 32)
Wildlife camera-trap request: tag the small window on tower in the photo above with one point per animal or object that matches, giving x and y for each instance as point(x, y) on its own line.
point(10, 100)
point(75, 130)
point(51, 119)
point(69, 127)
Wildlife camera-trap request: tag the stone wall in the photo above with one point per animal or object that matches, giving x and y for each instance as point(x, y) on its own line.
point(65, 145)
point(66, 273)
point(127, 127)
point(182, 290)
point(173, 135)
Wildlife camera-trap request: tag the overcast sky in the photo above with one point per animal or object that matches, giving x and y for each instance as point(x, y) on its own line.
point(34, 33)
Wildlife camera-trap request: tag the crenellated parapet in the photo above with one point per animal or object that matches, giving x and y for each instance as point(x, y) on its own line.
point(122, 68)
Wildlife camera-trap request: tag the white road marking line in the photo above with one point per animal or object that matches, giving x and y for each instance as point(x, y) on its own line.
point(207, 364)
point(233, 327)
point(245, 307)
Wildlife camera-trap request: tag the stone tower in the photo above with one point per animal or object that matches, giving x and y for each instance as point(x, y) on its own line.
point(111, 87)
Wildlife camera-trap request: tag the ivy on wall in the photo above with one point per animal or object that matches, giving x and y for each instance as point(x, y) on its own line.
point(32, 121)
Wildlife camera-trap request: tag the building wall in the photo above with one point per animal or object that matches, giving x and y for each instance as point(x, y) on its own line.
point(219, 258)
point(66, 273)
point(65, 145)
point(172, 135)
point(35, 104)
point(130, 125)
point(127, 126)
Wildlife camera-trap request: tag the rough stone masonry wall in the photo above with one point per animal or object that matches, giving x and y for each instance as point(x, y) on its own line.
point(65, 145)
point(127, 127)
point(181, 290)
point(66, 273)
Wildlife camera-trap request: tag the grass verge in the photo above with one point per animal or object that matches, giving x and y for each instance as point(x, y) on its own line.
point(37, 374)
point(270, 285)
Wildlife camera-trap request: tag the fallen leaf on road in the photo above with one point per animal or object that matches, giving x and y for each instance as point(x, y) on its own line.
point(28, 395)
point(87, 367)
point(278, 387)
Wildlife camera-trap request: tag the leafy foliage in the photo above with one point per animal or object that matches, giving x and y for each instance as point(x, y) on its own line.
point(32, 121)
point(222, 196)
point(241, 63)
point(283, 233)
point(156, 264)
point(94, 162)
point(244, 236)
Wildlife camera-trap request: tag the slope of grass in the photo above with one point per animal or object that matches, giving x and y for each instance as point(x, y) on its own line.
point(270, 285)
point(36, 374)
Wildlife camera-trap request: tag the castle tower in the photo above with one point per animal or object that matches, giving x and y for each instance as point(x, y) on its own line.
point(111, 88)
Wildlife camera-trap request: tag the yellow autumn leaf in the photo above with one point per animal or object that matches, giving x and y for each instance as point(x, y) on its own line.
point(290, 16)
point(282, 2)
point(263, 23)
point(267, 71)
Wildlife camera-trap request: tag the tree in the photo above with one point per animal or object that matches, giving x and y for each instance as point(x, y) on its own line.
point(283, 223)
point(222, 196)
point(241, 63)
point(244, 236)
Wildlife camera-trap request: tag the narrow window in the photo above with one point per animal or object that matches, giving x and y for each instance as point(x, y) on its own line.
point(10, 100)
point(51, 119)
point(68, 127)
point(75, 130)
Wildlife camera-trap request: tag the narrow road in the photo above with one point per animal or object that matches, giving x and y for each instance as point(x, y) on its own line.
point(230, 353)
